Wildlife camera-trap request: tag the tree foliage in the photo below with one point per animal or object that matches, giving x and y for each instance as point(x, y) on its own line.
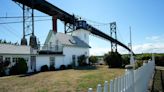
point(3, 66)
point(20, 67)
point(113, 59)
point(82, 60)
point(125, 60)
point(93, 59)
point(159, 58)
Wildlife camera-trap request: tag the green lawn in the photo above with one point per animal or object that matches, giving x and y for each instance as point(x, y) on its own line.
point(59, 81)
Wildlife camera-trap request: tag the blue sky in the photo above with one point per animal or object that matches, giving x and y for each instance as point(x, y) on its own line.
point(146, 18)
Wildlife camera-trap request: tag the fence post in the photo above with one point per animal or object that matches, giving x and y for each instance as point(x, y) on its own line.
point(90, 90)
point(111, 86)
point(106, 86)
point(99, 88)
point(131, 72)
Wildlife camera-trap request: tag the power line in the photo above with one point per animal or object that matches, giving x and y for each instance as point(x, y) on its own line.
point(15, 17)
point(14, 22)
point(8, 29)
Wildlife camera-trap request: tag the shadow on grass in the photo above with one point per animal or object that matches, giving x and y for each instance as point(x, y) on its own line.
point(28, 74)
point(86, 68)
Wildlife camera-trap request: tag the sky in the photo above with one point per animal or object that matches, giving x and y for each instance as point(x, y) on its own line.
point(145, 17)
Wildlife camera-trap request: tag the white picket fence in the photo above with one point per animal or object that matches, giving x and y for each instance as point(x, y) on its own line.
point(132, 81)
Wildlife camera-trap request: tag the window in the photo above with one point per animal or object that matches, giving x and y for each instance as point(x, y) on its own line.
point(15, 59)
point(73, 60)
point(1, 58)
point(85, 53)
point(52, 61)
point(85, 36)
point(7, 59)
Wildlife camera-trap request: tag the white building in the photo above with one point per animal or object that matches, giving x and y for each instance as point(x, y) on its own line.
point(58, 49)
point(73, 46)
point(12, 53)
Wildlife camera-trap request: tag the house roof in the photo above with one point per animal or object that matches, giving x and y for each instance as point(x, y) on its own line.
point(14, 49)
point(67, 40)
point(70, 40)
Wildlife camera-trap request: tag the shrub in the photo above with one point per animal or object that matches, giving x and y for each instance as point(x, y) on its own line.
point(62, 67)
point(93, 59)
point(20, 67)
point(44, 68)
point(82, 60)
point(52, 68)
point(125, 60)
point(69, 66)
point(138, 64)
point(113, 59)
point(3, 66)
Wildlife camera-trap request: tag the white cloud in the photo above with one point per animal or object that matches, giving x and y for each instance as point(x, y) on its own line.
point(155, 44)
point(140, 48)
point(99, 51)
point(153, 38)
point(149, 47)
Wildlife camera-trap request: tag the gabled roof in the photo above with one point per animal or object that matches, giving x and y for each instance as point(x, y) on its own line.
point(14, 49)
point(67, 40)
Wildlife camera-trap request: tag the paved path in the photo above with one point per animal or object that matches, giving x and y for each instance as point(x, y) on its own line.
point(158, 81)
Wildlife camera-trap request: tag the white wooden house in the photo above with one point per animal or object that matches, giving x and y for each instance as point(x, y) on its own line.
point(58, 49)
point(12, 53)
point(72, 45)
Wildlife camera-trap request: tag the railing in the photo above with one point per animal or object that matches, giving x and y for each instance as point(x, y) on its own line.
point(132, 81)
point(53, 48)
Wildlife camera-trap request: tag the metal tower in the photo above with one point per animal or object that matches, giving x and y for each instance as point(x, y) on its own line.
point(28, 26)
point(113, 33)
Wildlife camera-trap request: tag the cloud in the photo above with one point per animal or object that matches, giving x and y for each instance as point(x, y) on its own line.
point(149, 48)
point(139, 48)
point(153, 38)
point(99, 51)
point(154, 44)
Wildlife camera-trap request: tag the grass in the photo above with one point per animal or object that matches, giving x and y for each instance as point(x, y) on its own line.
point(59, 81)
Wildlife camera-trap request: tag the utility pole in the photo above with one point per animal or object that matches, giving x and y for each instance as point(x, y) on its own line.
point(130, 46)
point(130, 38)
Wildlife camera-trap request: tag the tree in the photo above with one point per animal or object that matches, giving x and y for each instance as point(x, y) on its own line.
point(125, 60)
point(82, 60)
point(113, 59)
point(3, 66)
point(20, 67)
point(93, 59)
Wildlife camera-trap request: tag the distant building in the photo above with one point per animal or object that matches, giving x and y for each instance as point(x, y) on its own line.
point(58, 49)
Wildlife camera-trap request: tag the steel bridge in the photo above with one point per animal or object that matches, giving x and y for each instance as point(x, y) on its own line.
point(47, 8)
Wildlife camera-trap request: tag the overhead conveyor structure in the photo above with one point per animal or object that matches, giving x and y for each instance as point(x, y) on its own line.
point(47, 8)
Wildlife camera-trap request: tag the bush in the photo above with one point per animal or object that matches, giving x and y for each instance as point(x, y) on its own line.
point(52, 68)
point(125, 60)
point(138, 64)
point(62, 67)
point(82, 60)
point(93, 59)
point(20, 67)
point(159, 60)
point(44, 68)
point(3, 66)
point(69, 66)
point(113, 59)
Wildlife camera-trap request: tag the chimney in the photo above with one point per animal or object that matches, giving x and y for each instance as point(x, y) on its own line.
point(54, 23)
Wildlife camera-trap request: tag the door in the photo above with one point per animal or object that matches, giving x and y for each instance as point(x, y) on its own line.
point(33, 63)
